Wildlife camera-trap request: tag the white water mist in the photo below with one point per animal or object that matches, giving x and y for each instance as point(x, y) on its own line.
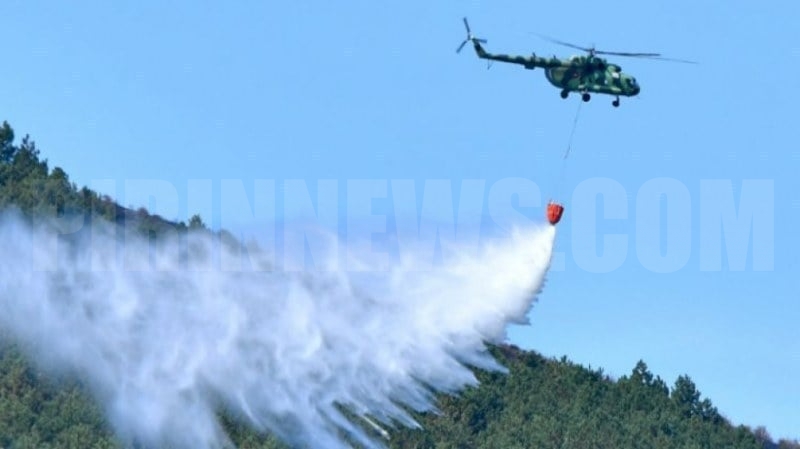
point(165, 340)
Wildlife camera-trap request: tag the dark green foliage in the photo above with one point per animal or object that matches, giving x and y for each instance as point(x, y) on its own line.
point(6, 143)
point(196, 222)
point(36, 413)
point(545, 403)
point(28, 185)
point(541, 403)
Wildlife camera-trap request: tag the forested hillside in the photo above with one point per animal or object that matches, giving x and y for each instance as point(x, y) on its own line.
point(28, 184)
point(541, 403)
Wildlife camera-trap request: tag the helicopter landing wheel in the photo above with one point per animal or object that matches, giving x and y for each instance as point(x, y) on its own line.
point(586, 96)
point(615, 103)
point(564, 93)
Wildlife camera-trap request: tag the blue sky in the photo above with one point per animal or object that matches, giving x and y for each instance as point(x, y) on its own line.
point(183, 91)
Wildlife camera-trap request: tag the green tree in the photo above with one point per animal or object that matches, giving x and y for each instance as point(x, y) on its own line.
point(686, 397)
point(7, 148)
point(196, 222)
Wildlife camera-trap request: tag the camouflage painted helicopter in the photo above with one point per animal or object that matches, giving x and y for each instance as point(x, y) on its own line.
point(582, 74)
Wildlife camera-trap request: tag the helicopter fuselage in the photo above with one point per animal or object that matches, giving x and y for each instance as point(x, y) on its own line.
point(592, 74)
point(581, 74)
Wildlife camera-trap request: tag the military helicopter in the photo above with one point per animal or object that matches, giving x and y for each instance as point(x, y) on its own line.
point(581, 74)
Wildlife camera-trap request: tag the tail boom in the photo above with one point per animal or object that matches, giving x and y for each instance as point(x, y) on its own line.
point(529, 62)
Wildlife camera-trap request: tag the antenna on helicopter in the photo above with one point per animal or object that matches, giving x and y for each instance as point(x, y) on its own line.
point(469, 37)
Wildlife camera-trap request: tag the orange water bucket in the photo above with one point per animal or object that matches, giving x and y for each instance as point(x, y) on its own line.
point(554, 212)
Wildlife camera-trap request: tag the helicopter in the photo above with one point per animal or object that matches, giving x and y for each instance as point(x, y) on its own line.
point(581, 74)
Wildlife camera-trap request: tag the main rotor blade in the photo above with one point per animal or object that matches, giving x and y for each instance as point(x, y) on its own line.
point(645, 55)
point(458, 50)
point(466, 25)
point(622, 53)
point(685, 61)
point(616, 53)
point(566, 44)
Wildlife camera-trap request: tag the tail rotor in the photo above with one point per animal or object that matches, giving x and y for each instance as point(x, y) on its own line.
point(469, 38)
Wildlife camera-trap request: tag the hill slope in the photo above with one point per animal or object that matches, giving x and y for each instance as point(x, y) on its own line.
point(542, 403)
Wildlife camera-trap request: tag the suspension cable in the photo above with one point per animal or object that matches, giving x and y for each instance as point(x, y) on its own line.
point(572, 133)
point(568, 150)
